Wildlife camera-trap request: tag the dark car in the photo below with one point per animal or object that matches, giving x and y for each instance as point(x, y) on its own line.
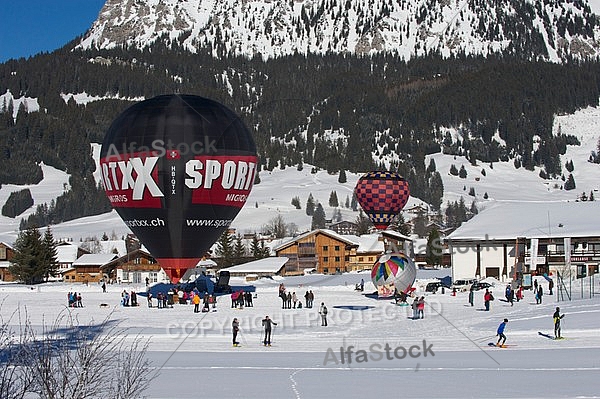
point(480, 285)
point(435, 286)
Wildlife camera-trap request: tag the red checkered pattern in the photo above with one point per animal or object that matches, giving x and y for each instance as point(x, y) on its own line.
point(382, 195)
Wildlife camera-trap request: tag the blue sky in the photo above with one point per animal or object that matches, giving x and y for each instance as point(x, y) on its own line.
point(28, 27)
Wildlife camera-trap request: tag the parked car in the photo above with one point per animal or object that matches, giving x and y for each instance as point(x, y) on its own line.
point(435, 286)
point(480, 285)
point(463, 285)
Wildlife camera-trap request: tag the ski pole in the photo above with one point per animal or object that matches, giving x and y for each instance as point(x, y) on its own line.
point(243, 336)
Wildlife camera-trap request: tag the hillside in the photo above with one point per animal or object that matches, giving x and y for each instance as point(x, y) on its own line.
point(273, 195)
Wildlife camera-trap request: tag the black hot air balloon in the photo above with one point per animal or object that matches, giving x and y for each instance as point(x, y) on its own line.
point(382, 195)
point(178, 169)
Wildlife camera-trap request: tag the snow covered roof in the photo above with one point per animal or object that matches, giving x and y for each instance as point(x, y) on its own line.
point(509, 220)
point(66, 253)
point(265, 265)
point(94, 259)
point(367, 243)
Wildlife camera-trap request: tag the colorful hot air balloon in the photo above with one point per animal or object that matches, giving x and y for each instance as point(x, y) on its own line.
point(178, 169)
point(393, 272)
point(382, 195)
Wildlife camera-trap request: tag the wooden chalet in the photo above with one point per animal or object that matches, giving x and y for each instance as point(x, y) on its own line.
point(87, 268)
point(6, 254)
point(134, 267)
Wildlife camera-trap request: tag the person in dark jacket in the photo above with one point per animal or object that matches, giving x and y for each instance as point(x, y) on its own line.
point(557, 317)
point(267, 323)
point(500, 333)
point(235, 328)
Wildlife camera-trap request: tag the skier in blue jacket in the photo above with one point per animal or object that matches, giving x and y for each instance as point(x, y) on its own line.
point(500, 333)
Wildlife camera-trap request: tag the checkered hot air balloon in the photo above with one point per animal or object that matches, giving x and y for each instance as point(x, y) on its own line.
point(393, 271)
point(382, 195)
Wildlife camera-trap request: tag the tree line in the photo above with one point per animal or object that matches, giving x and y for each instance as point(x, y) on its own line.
point(338, 112)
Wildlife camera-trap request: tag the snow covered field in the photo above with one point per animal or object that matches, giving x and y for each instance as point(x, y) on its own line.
point(193, 356)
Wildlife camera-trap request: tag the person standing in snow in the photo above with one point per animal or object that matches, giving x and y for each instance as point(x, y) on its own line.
point(487, 297)
point(557, 318)
point(540, 294)
point(323, 313)
point(267, 323)
point(550, 286)
point(421, 307)
point(500, 333)
point(235, 328)
point(415, 308)
point(306, 298)
point(294, 299)
point(471, 296)
point(196, 302)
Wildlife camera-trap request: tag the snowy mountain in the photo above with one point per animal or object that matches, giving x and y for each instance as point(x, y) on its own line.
point(533, 29)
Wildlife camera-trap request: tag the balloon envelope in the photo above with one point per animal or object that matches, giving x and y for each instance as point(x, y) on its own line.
point(382, 195)
point(178, 169)
point(393, 272)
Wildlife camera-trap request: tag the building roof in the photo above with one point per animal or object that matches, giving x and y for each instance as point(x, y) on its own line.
point(265, 265)
point(509, 220)
point(66, 253)
point(331, 233)
point(94, 259)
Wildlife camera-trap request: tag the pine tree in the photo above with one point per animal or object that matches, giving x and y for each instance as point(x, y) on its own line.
point(333, 200)
point(431, 168)
point(354, 203)
point(363, 223)
point(347, 202)
point(296, 202)
point(239, 249)
point(462, 173)
point(436, 190)
point(255, 248)
point(433, 249)
point(50, 254)
point(27, 263)
point(570, 183)
point(473, 209)
point(318, 219)
point(342, 177)
point(310, 205)
point(225, 249)
point(401, 226)
point(420, 224)
point(453, 170)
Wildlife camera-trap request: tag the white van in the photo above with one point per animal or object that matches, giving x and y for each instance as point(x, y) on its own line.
point(463, 284)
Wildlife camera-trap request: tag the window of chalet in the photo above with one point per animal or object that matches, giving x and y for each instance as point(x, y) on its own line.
point(2, 253)
point(361, 259)
point(337, 259)
point(337, 247)
point(325, 258)
point(325, 248)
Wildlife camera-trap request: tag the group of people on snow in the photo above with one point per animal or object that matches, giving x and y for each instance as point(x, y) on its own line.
point(74, 300)
point(241, 298)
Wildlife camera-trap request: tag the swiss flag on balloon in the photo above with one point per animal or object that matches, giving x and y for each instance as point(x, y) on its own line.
point(173, 154)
